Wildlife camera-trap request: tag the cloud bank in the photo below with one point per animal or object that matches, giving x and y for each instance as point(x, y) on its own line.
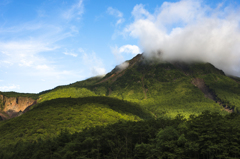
point(189, 30)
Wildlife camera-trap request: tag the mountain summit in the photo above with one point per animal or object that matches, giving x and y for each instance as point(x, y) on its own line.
point(168, 87)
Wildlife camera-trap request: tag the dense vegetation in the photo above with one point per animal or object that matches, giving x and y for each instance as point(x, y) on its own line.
point(162, 88)
point(16, 94)
point(209, 135)
point(48, 118)
point(226, 89)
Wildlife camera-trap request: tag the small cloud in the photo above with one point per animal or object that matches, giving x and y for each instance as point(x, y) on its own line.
point(123, 65)
point(9, 88)
point(129, 49)
point(98, 71)
point(1, 80)
point(42, 67)
point(116, 13)
point(133, 49)
point(71, 54)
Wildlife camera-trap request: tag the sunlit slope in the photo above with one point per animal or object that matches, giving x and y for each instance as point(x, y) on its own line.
point(165, 88)
point(161, 87)
point(48, 118)
point(65, 92)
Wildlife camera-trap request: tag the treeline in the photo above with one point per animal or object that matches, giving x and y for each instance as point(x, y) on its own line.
point(16, 94)
point(209, 135)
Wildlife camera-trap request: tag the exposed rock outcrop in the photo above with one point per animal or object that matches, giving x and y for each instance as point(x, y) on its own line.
point(208, 93)
point(14, 106)
point(201, 85)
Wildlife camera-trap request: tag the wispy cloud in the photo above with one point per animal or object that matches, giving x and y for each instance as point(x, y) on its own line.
point(75, 11)
point(70, 54)
point(93, 63)
point(9, 87)
point(24, 53)
point(116, 13)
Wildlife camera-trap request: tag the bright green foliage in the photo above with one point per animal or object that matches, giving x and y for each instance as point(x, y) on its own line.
point(48, 118)
point(71, 92)
point(161, 88)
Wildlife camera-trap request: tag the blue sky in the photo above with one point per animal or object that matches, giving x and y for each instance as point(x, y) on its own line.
point(46, 43)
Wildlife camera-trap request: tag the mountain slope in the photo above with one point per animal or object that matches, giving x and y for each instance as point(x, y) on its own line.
point(48, 118)
point(167, 87)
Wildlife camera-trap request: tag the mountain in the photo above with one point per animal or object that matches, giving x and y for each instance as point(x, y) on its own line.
point(136, 90)
point(167, 88)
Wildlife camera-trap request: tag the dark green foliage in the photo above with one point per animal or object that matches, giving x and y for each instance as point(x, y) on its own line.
point(15, 94)
point(209, 135)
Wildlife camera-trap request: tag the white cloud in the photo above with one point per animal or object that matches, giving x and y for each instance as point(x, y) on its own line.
point(129, 49)
point(189, 30)
point(94, 64)
point(123, 65)
point(9, 88)
point(42, 67)
point(71, 54)
point(116, 13)
point(75, 11)
point(133, 49)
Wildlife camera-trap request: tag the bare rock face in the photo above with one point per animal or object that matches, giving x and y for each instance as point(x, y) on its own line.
point(14, 106)
point(201, 85)
point(17, 103)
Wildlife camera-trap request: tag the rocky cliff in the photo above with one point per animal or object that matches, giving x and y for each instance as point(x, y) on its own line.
point(14, 106)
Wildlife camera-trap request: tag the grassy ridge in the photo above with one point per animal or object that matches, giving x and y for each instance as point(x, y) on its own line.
point(48, 118)
point(65, 93)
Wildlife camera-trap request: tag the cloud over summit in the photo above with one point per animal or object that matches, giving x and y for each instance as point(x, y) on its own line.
point(190, 30)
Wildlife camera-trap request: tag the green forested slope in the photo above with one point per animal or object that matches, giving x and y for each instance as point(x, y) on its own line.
point(164, 88)
point(48, 118)
point(208, 135)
